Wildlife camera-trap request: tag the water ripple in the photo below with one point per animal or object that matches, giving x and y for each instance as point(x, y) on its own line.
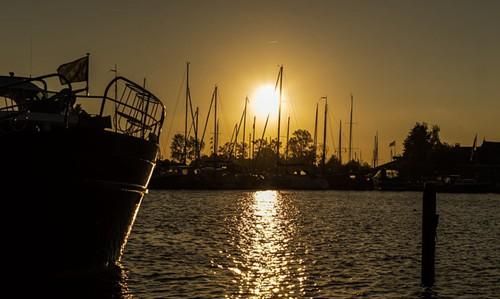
point(324, 244)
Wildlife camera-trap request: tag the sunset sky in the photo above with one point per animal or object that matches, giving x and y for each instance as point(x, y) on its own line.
point(404, 61)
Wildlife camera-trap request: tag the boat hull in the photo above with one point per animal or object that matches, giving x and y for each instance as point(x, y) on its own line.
point(73, 195)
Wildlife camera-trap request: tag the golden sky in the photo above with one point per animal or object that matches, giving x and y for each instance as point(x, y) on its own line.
point(404, 61)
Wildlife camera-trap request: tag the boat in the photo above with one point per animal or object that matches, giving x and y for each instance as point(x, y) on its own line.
point(75, 168)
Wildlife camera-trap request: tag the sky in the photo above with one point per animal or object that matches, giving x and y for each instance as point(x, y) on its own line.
point(403, 61)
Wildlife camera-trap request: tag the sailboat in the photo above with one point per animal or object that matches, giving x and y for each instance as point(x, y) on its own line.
point(289, 176)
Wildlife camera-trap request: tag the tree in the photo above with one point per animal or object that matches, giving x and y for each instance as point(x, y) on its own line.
point(226, 150)
point(177, 148)
point(418, 150)
point(333, 165)
point(301, 147)
point(265, 154)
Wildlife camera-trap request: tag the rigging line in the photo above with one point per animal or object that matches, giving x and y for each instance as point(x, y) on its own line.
point(237, 132)
point(191, 127)
point(169, 129)
point(262, 138)
point(208, 116)
point(191, 108)
point(220, 113)
point(292, 109)
point(231, 144)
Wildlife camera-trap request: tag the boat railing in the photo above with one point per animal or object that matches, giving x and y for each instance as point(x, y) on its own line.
point(19, 94)
point(134, 110)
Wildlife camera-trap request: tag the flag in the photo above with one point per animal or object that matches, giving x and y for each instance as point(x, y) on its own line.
point(75, 71)
point(474, 144)
point(392, 143)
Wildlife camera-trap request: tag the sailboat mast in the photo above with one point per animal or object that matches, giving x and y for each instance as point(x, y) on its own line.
point(316, 134)
point(217, 138)
point(249, 141)
point(323, 157)
point(196, 144)
point(287, 137)
point(350, 130)
point(340, 143)
point(253, 138)
point(244, 128)
point(215, 122)
point(375, 151)
point(280, 78)
point(184, 152)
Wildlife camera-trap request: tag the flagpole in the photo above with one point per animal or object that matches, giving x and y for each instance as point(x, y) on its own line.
point(88, 71)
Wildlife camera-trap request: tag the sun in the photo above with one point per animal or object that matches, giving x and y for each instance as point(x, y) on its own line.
point(264, 101)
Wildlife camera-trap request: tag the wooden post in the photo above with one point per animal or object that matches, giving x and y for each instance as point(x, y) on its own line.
point(429, 227)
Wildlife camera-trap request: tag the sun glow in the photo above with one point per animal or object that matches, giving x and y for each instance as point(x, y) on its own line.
point(265, 100)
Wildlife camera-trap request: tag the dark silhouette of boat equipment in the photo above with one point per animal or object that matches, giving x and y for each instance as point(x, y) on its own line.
point(75, 169)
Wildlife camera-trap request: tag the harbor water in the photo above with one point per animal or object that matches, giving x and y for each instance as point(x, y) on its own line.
point(319, 244)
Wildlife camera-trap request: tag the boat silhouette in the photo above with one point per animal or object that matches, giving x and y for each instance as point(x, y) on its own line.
point(75, 168)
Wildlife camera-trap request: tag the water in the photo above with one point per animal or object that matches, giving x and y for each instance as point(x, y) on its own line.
point(324, 244)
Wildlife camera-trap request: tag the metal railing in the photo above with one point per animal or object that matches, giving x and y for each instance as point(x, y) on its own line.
point(134, 110)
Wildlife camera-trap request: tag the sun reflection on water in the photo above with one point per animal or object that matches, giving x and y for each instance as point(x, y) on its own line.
point(267, 266)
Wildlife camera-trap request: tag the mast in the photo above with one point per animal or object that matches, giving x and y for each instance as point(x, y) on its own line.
point(88, 72)
point(323, 157)
point(249, 141)
point(287, 137)
point(316, 134)
point(215, 122)
point(244, 128)
point(184, 153)
point(280, 78)
point(253, 138)
point(340, 143)
point(196, 144)
point(375, 151)
point(350, 131)
point(217, 138)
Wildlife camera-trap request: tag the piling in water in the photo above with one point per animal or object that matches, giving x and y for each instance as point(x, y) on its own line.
point(429, 227)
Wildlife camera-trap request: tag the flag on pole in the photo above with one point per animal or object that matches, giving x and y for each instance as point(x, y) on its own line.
point(75, 71)
point(393, 143)
point(473, 148)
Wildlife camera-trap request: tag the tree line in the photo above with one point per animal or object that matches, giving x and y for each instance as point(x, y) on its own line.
point(424, 154)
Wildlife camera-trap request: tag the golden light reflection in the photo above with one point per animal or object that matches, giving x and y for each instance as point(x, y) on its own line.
point(267, 266)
